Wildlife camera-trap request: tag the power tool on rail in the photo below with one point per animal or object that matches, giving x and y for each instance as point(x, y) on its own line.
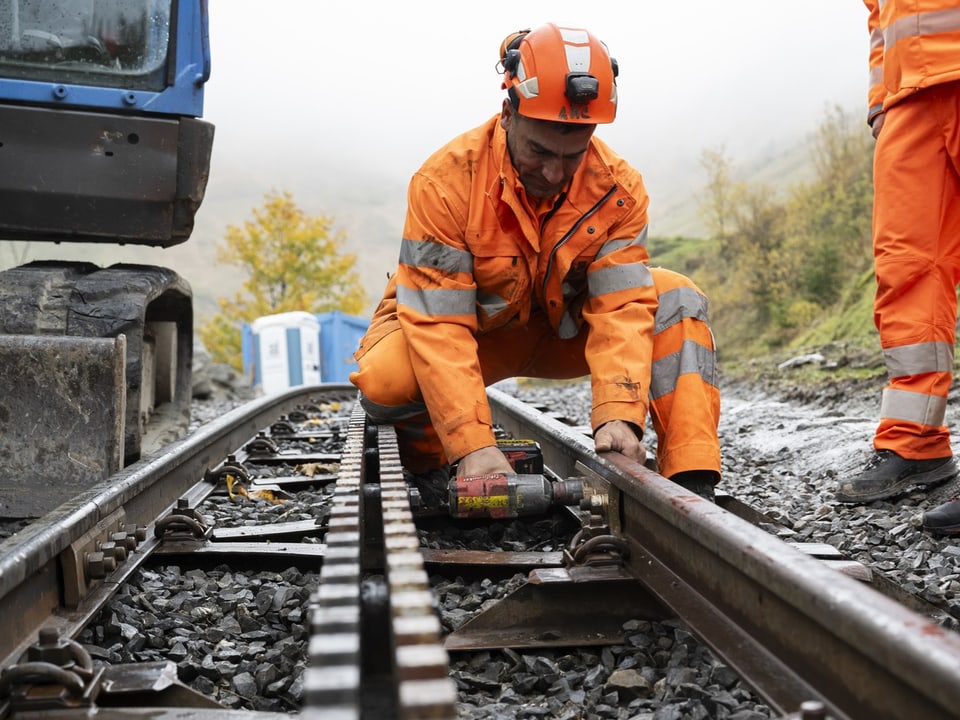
point(526, 491)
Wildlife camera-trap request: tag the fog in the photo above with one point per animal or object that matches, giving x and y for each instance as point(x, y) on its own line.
point(314, 87)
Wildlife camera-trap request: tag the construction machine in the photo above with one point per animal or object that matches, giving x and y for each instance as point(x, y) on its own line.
point(101, 141)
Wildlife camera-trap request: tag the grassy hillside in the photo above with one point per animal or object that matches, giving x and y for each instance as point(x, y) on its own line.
point(792, 272)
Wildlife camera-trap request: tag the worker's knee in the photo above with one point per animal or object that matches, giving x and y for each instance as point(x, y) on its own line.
point(665, 280)
point(678, 300)
point(388, 387)
point(390, 414)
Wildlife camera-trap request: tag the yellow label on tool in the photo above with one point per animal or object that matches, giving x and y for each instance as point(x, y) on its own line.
point(483, 501)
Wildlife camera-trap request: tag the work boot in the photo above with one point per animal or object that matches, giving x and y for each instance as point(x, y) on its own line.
point(433, 486)
point(887, 474)
point(944, 519)
point(700, 482)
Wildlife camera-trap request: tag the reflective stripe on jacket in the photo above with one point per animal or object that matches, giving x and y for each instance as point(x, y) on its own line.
point(475, 258)
point(914, 44)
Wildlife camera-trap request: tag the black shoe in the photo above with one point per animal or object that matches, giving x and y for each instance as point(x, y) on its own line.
point(433, 487)
point(887, 474)
point(944, 519)
point(700, 482)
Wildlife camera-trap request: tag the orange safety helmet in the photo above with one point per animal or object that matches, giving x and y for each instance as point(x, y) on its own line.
point(560, 74)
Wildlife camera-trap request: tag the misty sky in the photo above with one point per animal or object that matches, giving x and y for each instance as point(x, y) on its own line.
point(314, 86)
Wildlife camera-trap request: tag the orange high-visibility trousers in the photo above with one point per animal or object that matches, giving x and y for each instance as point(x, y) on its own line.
point(684, 397)
point(916, 227)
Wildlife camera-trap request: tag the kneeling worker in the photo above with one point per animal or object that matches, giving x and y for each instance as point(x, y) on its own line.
point(524, 255)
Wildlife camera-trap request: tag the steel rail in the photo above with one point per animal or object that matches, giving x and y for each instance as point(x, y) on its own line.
point(31, 562)
point(371, 531)
point(421, 664)
point(795, 629)
point(363, 660)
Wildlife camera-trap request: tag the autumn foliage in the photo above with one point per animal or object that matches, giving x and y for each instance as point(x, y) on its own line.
point(782, 262)
point(288, 261)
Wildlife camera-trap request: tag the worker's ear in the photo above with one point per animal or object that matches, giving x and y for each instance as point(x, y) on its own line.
point(506, 114)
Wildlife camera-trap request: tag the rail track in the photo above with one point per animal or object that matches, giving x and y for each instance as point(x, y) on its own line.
point(813, 634)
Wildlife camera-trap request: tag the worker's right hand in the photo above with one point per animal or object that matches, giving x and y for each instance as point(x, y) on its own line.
point(877, 125)
point(485, 461)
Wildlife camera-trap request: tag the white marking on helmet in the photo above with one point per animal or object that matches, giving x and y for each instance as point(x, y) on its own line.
point(577, 46)
point(578, 58)
point(529, 88)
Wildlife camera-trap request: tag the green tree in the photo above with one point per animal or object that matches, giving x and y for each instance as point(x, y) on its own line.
point(760, 259)
point(740, 274)
point(291, 262)
point(721, 193)
point(832, 215)
point(777, 263)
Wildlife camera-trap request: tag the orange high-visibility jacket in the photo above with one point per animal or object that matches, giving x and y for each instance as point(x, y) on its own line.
point(476, 258)
point(914, 44)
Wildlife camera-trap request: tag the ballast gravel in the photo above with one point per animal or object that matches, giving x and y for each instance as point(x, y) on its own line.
point(241, 637)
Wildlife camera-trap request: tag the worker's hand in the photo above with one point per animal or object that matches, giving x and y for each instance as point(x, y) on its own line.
point(484, 461)
point(877, 125)
point(619, 436)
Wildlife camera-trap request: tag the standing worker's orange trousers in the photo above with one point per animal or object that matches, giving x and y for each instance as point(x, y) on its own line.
point(916, 224)
point(684, 398)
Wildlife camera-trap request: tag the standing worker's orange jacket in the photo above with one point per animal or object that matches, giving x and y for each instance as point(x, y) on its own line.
point(915, 83)
point(478, 262)
point(914, 44)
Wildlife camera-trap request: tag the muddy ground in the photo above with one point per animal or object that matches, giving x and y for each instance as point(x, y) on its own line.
point(808, 420)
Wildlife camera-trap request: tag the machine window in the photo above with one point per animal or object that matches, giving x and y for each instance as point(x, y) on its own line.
point(122, 43)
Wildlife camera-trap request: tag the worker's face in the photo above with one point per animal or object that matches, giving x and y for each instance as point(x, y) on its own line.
point(544, 154)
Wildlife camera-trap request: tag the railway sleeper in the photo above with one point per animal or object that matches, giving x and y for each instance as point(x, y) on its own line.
point(57, 674)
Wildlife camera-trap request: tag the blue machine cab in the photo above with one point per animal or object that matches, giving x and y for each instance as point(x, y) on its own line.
point(100, 136)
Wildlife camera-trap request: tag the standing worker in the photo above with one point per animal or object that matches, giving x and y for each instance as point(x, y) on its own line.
point(524, 255)
point(914, 102)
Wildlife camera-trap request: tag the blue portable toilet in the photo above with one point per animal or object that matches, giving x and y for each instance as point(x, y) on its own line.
point(340, 337)
point(285, 350)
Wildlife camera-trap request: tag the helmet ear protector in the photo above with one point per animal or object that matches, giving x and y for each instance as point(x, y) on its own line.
point(510, 51)
point(585, 93)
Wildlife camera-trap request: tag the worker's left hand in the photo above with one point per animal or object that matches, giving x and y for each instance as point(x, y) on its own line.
point(619, 436)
